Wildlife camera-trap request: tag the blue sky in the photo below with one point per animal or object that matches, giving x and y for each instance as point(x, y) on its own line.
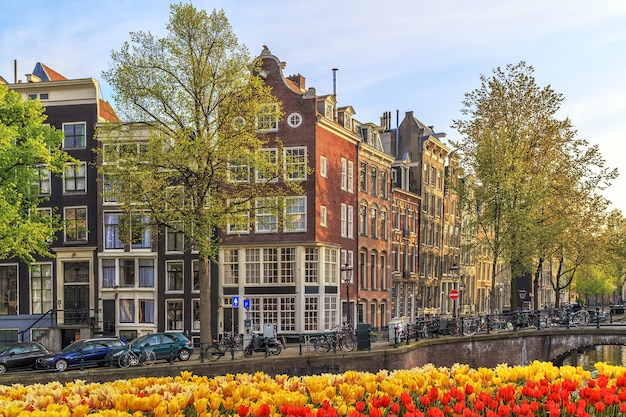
point(405, 55)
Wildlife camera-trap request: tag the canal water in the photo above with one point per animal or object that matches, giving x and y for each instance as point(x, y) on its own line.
point(610, 354)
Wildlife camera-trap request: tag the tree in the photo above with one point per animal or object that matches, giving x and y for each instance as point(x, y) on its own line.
point(521, 156)
point(198, 107)
point(28, 151)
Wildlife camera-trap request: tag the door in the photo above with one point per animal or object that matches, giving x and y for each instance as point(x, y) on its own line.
point(108, 317)
point(76, 292)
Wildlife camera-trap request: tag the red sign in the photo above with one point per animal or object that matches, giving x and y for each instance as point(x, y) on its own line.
point(453, 294)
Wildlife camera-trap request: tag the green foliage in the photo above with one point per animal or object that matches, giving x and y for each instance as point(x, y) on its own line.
point(528, 178)
point(26, 147)
point(191, 153)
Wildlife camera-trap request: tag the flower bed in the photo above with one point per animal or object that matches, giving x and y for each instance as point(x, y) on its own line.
point(539, 389)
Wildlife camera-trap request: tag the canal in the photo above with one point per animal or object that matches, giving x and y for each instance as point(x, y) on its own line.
point(610, 354)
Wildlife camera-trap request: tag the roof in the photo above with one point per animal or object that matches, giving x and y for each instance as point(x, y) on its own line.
point(46, 73)
point(106, 112)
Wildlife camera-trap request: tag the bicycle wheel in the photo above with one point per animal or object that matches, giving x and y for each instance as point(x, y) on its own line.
point(214, 353)
point(124, 360)
point(580, 318)
point(148, 357)
point(469, 327)
point(322, 345)
point(347, 343)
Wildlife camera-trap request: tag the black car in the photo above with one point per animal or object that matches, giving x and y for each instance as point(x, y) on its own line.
point(84, 352)
point(21, 356)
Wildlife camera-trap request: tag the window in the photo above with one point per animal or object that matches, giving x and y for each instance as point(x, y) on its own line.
point(363, 177)
point(146, 273)
point(112, 231)
point(295, 214)
point(323, 167)
point(294, 120)
point(347, 122)
point(196, 315)
point(350, 222)
point(344, 219)
point(287, 314)
point(127, 311)
point(231, 266)
point(108, 273)
point(41, 288)
point(426, 171)
point(267, 120)
point(374, 221)
point(439, 179)
point(75, 178)
point(127, 272)
point(110, 188)
point(383, 184)
point(174, 311)
point(266, 215)
point(239, 170)
point(329, 110)
point(240, 217)
point(253, 266)
point(140, 233)
point(76, 223)
point(42, 183)
point(311, 265)
point(268, 166)
point(323, 216)
point(8, 288)
point(174, 275)
point(195, 268)
point(363, 219)
point(374, 179)
point(350, 176)
point(433, 176)
point(344, 174)
point(383, 224)
point(146, 311)
point(311, 308)
point(330, 266)
point(74, 135)
point(175, 239)
point(330, 312)
point(373, 270)
point(295, 163)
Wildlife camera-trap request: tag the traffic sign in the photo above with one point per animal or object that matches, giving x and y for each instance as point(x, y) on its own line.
point(246, 304)
point(453, 294)
point(235, 302)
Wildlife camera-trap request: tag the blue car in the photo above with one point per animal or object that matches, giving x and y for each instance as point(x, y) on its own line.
point(86, 352)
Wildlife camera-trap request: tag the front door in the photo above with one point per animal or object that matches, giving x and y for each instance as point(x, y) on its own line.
point(76, 292)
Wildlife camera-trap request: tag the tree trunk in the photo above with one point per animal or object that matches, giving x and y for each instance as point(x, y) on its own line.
point(536, 284)
point(206, 338)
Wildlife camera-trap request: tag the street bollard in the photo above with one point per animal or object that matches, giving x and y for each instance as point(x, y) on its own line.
point(232, 351)
point(171, 355)
point(82, 360)
point(597, 317)
point(395, 337)
point(300, 345)
point(201, 352)
point(488, 326)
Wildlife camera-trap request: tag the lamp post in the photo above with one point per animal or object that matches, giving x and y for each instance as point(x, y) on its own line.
point(346, 269)
point(453, 272)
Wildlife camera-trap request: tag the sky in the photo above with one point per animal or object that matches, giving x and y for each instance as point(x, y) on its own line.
point(394, 55)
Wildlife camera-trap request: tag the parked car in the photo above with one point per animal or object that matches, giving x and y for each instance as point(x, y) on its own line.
point(165, 345)
point(87, 352)
point(21, 356)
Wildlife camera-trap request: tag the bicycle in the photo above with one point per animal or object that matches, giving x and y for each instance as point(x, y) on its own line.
point(228, 343)
point(146, 357)
point(341, 338)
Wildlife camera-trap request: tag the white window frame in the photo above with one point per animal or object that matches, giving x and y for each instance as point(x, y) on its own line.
point(244, 216)
point(43, 181)
point(295, 214)
point(80, 237)
point(323, 167)
point(78, 172)
point(295, 167)
point(83, 142)
point(267, 119)
point(266, 215)
point(344, 219)
point(350, 177)
point(344, 174)
point(179, 324)
point(169, 277)
point(350, 222)
point(269, 175)
point(41, 298)
point(294, 120)
point(323, 216)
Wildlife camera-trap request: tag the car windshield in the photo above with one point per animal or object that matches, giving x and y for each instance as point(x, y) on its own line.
point(72, 347)
point(3, 349)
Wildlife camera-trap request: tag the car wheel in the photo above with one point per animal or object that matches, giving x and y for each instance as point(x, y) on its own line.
point(61, 365)
point(3, 368)
point(184, 354)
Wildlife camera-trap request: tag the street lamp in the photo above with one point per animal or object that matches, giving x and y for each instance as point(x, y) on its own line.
point(346, 269)
point(453, 272)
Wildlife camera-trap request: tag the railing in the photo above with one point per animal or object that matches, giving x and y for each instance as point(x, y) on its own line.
point(51, 313)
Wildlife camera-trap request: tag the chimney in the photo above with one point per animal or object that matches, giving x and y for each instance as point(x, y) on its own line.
point(15, 70)
point(335, 89)
point(298, 80)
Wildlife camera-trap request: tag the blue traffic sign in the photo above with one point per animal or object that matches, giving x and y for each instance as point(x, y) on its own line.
point(246, 304)
point(235, 302)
